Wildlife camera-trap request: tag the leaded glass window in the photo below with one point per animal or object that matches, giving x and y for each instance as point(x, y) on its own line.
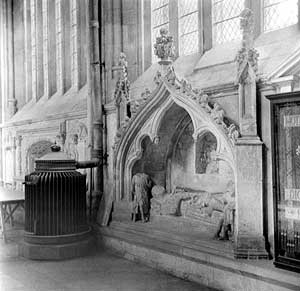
point(279, 13)
point(188, 26)
point(159, 19)
point(226, 21)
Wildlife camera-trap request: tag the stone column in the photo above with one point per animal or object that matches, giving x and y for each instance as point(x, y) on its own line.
point(27, 50)
point(95, 99)
point(74, 44)
point(12, 102)
point(1, 155)
point(249, 239)
point(33, 50)
point(19, 156)
point(14, 163)
point(59, 46)
point(117, 29)
point(46, 47)
point(3, 59)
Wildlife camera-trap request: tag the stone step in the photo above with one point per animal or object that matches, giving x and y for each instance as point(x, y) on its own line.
point(157, 236)
point(194, 257)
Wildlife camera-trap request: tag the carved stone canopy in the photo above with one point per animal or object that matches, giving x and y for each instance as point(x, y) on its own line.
point(212, 110)
point(206, 116)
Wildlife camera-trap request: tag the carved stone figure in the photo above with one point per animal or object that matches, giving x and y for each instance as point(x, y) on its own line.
point(217, 113)
point(212, 166)
point(141, 187)
point(233, 132)
point(203, 99)
point(227, 220)
point(204, 145)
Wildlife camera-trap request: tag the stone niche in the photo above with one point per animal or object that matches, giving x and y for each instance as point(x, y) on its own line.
point(190, 181)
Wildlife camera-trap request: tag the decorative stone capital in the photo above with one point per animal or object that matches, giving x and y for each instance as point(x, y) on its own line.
point(164, 46)
point(247, 58)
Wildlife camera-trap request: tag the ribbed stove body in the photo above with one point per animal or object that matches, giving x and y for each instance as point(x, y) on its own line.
point(55, 210)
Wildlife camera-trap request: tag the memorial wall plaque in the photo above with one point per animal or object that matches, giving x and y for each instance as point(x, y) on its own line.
point(285, 125)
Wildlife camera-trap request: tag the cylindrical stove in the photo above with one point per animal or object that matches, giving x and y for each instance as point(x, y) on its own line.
point(55, 210)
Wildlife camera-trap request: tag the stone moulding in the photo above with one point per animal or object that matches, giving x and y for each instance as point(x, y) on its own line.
point(146, 118)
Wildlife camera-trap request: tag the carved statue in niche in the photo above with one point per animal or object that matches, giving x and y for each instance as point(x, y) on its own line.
point(141, 187)
point(206, 161)
point(212, 165)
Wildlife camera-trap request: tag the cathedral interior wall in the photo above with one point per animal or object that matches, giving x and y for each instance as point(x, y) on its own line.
point(48, 97)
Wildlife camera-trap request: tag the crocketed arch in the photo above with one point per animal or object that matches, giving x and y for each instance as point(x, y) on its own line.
point(147, 122)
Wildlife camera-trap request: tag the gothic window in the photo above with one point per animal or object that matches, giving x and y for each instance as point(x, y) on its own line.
point(279, 14)
point(188, 26)
point(226, 21)
point(159, 19)
point(185, 13)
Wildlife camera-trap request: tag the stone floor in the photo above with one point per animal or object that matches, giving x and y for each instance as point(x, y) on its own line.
point(100, 271)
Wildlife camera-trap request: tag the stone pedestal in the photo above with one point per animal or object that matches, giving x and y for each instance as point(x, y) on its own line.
point(249, 240)
point(57, 247)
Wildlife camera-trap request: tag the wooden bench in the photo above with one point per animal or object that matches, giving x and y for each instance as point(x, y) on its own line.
point(10, 201)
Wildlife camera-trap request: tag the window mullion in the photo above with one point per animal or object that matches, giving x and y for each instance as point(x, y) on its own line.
point(173, 27)
point(200, 27)
point(256, 7)
point(206, 16)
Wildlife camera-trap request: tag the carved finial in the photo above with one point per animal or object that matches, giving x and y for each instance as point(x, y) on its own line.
point(164, 46)
point(247, 54)
point(123, 84)
point(247, 27)
point(247, 68)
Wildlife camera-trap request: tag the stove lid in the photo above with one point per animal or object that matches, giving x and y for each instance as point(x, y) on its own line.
point(55, 161)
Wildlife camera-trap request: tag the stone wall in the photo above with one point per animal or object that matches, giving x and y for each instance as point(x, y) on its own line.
point(24, 143)
point(45, 56)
